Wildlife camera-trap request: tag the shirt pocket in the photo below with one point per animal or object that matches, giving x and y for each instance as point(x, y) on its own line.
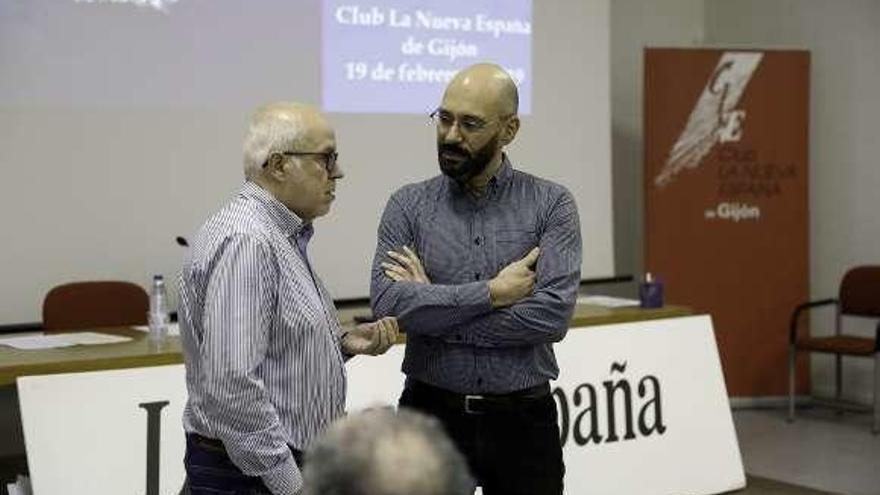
point(513, 244)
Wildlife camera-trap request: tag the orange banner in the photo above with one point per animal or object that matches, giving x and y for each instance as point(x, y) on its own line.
point(726, 220)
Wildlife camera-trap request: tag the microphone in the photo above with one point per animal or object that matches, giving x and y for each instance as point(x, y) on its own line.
point(181, 241)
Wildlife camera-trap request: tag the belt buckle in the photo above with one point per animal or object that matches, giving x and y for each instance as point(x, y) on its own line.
point(467, 404)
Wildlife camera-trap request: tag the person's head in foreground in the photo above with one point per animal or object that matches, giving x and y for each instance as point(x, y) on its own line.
point(386, 452)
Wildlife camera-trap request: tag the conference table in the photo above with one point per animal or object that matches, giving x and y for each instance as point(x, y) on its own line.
point(637, 385)
point(140, 352)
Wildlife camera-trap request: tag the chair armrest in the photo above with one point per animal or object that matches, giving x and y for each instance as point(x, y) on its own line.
point(792, 331)
point(877, 338)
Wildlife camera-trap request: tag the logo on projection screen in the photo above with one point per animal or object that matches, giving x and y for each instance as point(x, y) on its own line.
point(715, 118)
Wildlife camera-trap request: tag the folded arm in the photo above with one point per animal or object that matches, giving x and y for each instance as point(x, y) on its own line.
point(427, 309)
point(544, 315)
point(532, 307)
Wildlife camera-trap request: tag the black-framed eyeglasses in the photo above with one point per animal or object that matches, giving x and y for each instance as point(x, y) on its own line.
point(468, 124)
point(328, 158)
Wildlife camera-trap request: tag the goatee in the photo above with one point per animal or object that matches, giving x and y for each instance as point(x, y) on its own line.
point(462, 166)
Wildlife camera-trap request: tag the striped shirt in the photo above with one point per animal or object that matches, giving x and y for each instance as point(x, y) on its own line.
point(455, 339)
point(261, 339)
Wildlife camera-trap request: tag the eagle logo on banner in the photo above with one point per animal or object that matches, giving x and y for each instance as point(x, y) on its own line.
point(715, 117)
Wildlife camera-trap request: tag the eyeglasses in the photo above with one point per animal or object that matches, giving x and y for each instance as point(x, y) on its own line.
point(327, 157)
point(467, 124)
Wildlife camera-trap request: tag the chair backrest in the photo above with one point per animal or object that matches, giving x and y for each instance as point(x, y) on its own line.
point(81, 305)
point(860, 291)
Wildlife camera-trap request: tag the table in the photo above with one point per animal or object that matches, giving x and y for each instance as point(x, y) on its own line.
point(133, 354)
point(621, 368)
point(139, 352)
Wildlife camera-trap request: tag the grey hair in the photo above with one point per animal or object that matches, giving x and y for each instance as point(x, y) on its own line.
point(383, 452)
point(273, 128)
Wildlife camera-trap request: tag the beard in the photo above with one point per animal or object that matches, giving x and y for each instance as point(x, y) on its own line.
point(461, 165)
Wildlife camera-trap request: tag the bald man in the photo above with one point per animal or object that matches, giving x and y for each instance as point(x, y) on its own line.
point(262, 345)
point(481, 266)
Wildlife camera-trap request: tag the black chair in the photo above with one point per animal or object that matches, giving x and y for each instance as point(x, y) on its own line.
point(859, 296)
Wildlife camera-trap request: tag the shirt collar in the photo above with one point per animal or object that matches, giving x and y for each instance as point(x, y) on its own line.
point(289, 223)
point(503, 174)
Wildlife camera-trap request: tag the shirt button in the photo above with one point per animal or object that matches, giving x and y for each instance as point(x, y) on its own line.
point(476, 275)
point(477, 241)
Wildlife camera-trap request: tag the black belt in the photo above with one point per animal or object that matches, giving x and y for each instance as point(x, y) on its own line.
point(217, 446)
point(478, 403)
point(210, 443)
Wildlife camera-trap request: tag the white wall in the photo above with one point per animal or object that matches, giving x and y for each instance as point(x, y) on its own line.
point(844, 39)
point(636, 24)
point(121, 128)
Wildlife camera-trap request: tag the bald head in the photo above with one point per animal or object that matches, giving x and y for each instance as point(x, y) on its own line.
point(490, 83)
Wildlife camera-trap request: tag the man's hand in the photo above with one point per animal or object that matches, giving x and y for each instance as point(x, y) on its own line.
point(408, 267)
point(371, 338)
point(514, 282)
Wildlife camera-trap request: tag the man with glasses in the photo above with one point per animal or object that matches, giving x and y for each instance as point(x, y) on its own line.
point(481, 266)
point(263, 348)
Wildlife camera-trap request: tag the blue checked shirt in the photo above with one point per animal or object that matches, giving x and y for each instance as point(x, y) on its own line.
point(455, 339)
point(261, 338)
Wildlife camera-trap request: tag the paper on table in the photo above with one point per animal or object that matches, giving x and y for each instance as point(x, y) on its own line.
point(29, 342)
point(56, 341)
point(173, 328)
point(608, 301)
point(91, 338)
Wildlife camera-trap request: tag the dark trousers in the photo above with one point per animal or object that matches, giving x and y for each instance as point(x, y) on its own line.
point(209, 471)
point(512, 448)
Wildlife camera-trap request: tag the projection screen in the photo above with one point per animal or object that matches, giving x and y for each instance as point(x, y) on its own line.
point(121, 121)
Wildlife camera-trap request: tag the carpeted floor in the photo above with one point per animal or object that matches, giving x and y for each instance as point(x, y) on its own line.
point(755, 485)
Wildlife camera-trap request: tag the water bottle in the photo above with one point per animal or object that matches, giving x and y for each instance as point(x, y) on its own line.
point(158, 314)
